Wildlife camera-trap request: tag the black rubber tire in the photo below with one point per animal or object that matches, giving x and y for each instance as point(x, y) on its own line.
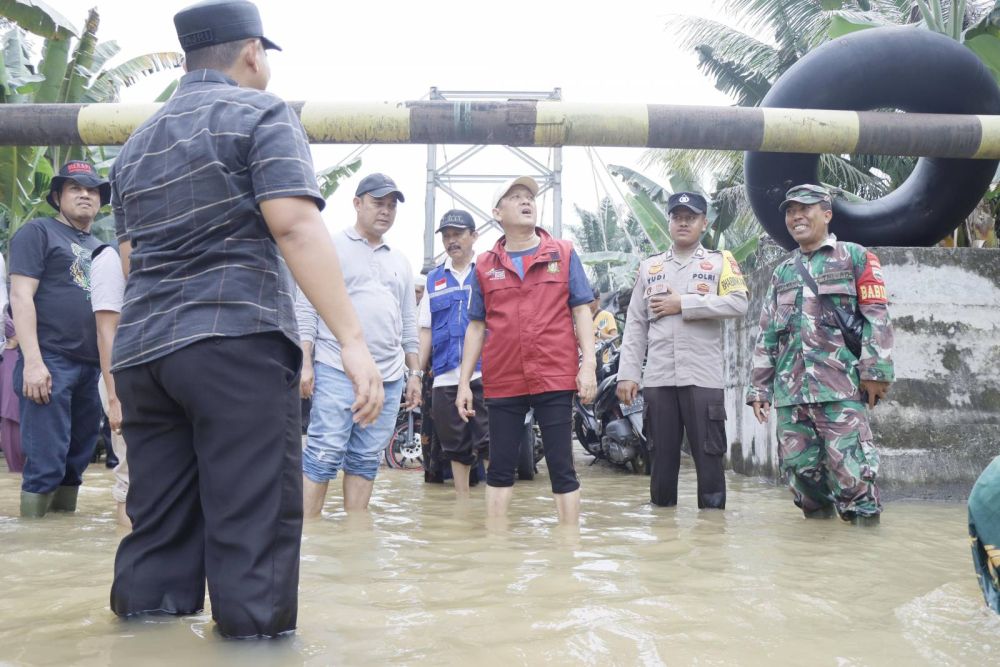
point(526, 454)
point(905, 68)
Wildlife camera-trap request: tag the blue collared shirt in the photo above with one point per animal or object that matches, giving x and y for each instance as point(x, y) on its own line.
point(186, 192)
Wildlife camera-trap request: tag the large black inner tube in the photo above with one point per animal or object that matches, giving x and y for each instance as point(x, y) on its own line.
point(905, 68)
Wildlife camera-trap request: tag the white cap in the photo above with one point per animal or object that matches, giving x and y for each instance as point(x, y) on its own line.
point(504, 188)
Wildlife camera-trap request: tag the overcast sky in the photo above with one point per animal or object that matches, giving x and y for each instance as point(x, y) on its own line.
point(396, 50)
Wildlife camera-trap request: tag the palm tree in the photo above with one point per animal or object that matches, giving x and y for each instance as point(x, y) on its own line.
point(744, 66)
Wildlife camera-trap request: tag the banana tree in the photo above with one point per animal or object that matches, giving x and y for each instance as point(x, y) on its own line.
point(73, 68)
point(731, 224)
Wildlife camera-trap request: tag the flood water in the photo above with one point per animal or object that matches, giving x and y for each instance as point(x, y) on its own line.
point(422, 580)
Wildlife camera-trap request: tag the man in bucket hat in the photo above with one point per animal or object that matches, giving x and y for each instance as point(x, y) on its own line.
point(57, 369)
point(212, 196)
point(803, 366)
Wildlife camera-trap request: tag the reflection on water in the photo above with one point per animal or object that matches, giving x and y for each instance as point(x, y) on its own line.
point(422, 579)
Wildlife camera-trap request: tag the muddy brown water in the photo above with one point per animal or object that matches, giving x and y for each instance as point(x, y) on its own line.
point(422, 579)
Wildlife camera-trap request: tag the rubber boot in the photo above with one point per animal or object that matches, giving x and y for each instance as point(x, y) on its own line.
point(64, 499)
point(35, 505)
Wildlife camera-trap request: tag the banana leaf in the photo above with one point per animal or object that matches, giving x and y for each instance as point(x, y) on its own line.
point(108, 84)
point(36, 17)
point(329, 179)
point(651, 219)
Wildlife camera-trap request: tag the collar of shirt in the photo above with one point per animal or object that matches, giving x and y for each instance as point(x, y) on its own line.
point(449, 266)
point(206, 76)
point(353, 234)
point(830, 242)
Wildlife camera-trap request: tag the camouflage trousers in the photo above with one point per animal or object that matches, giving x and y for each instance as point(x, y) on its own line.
point(827, 456)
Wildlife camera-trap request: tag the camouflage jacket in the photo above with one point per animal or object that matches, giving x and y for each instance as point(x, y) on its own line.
point(800, 356)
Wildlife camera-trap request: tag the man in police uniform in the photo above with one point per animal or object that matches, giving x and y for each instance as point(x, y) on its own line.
point(443, 319)
point(675, 321)
point(803, 366)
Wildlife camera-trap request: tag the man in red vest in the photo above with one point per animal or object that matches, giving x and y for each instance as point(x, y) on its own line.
point(529, 312)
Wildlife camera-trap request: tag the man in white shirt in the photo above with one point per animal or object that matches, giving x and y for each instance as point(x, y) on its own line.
point(443, 319)
point(107, 293)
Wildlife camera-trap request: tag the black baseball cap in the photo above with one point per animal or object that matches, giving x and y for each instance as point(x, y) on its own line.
point(458, 219)
point(378, 185)
point(214, 22)
point(691, 200)
point(83, 173)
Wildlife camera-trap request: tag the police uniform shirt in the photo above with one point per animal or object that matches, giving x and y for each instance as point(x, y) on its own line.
point(686, 348)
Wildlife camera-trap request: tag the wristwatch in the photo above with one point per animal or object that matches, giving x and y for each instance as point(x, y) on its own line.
point(414, 374)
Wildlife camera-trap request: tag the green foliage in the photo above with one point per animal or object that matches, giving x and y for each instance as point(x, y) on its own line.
point(611, 244)
point(73, 68)
point(329, 179)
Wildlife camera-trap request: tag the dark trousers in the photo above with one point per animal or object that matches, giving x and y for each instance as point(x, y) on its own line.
point(464, 442)
point(701, 412)
point(58, 437)
point(554, 415)
point(215, 458)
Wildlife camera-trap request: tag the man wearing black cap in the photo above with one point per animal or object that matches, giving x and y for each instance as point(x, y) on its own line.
point(444, 317)
point(212, 196)
point(674, 320)
point(380, 284)
point(57, 370)
point(818, 370)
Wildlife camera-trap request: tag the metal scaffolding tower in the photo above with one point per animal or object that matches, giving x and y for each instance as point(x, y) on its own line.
point(449, 181)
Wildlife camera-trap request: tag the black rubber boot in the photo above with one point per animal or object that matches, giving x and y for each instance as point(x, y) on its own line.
point(35, 505)
point(64, 499)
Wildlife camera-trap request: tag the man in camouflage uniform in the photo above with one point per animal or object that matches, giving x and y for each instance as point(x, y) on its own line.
point(802, 365)
point(675, 314)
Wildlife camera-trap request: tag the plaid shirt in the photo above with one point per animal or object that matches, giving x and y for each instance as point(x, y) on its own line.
point(186, 189)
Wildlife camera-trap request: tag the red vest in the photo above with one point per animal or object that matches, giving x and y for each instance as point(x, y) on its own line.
point(531, 346)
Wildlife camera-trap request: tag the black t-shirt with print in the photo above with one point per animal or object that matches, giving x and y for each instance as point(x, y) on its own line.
point(58, 256)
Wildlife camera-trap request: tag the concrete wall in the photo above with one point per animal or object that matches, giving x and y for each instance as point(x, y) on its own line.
point(941, 424)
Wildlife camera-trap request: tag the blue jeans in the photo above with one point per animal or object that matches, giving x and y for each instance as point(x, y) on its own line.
point(58, 438)
point(334, 441)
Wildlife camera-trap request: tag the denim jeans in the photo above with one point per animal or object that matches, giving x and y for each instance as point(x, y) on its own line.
point(58, 437)
point(335, 442)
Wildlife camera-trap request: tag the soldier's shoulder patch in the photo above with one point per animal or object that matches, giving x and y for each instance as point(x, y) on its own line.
point(871, 285)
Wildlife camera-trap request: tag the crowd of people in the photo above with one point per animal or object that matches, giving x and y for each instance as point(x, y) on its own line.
point(227, 301)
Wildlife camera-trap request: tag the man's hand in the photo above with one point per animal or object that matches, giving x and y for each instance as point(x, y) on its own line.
point(627, 391)
point(413, 393)
point(876, 391)
point(37, 385)
point(586, 383)
point(369, 394)
point(115, 414)
point(307, 381)
point(463, 401)
point(665, 304)
point(761, 410)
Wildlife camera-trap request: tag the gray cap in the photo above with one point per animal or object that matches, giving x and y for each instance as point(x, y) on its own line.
point(378, 185)
point(806, 193)
point(214, 22)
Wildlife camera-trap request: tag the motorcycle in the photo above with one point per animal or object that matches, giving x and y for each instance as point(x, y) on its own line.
point(609, 429)
point(405, 449)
